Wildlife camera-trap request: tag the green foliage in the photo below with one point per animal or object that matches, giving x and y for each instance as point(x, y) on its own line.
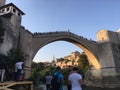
point(37, 66)
point(34, 76)
point(39, 70)
point(83, 64)
point(60, 60)
point(15, 55)
point(1, 31)
point(1, 55)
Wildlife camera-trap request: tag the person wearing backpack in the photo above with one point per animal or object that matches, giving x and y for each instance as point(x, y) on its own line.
point(57, 80)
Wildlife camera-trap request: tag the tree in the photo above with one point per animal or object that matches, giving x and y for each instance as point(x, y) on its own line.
point(39, 70)
point(15, 55)
point(60, 60)
point(83, 63)
point(38, 66)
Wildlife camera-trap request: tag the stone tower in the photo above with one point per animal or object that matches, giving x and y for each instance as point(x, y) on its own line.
point(12, 12)
point(2, 2)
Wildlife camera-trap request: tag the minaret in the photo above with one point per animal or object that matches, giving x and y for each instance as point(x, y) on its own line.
point(2, 2)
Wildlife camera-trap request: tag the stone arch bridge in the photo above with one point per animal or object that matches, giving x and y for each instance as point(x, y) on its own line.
point(100, 54)
point(104, 54)
point(90, 47)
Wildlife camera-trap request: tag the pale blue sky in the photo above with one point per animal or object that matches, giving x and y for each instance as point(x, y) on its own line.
point(82, 17)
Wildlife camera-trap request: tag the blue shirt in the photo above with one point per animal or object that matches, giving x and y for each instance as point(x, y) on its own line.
point(60, 77)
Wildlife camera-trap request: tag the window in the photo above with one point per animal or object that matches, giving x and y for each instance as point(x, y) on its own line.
point(102, 38)
point(8, 9)
point(14, 10)
point(18, 14)
point(3, 10)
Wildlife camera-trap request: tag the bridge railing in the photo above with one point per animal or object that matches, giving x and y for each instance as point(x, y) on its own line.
point(38, 34)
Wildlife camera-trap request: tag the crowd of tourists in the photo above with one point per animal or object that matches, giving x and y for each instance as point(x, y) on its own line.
point(55, 81)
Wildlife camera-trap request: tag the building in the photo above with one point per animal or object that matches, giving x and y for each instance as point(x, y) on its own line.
point(12, 12)
point(70, 60)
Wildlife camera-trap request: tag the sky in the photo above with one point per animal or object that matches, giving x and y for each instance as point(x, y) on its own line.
point(82, 17)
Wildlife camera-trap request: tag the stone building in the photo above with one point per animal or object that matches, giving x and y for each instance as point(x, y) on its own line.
point(70, 60)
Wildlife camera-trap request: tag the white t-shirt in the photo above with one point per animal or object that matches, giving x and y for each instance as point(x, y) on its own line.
point(75, 81)
point(19, 65)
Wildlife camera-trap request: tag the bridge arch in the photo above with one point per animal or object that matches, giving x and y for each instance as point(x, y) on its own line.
point(88, 46)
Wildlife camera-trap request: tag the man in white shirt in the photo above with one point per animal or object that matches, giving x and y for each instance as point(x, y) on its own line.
point(75, 79)
point(18, 66)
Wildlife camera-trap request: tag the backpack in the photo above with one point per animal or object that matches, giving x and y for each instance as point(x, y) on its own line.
point(54, 83)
